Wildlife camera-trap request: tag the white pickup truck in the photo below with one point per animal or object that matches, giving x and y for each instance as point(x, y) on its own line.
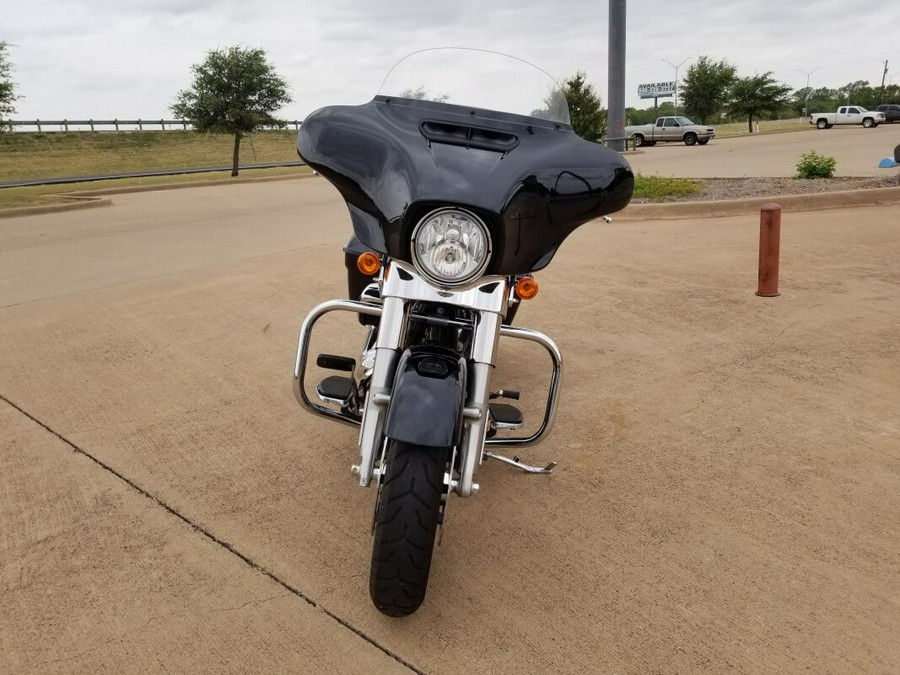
point(670, 129)
point(847, 114)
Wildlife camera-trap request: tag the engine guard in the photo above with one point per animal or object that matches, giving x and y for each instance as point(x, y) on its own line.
point(369, 309)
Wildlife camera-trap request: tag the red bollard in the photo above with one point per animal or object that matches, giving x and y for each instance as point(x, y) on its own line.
point(769, 250)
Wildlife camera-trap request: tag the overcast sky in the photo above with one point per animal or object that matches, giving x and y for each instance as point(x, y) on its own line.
point(129, 58)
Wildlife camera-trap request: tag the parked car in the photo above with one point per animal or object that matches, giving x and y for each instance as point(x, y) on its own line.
point(668, 129)
point(847, 114)
point(891, 111)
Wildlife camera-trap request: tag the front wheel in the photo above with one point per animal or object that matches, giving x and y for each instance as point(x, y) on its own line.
point(821, 124)
point(868, 123)
point(638, 140)
point(690, 139)
point(406, 520)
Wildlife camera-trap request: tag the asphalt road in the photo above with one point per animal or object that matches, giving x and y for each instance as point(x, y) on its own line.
point(727, 495)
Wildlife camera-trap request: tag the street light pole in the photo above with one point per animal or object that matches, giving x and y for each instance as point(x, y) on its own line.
point(806, 103)
point(676, 78)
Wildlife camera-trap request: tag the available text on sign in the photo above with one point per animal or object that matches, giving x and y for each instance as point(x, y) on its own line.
point(657, 90)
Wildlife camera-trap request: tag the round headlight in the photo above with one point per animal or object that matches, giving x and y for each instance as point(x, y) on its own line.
point(451, 246)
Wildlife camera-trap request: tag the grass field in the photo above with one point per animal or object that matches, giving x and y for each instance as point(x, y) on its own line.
point(49, 155)
point(82, 153)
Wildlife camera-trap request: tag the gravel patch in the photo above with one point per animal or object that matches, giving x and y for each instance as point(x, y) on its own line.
point(747, 188)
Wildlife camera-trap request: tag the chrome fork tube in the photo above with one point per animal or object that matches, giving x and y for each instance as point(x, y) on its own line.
point(484, 346)
point(387, 351)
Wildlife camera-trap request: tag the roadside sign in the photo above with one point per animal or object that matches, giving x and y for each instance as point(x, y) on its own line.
point(656, 90)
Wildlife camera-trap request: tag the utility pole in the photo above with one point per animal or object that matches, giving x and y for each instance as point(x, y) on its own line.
point(806, 104)
point(676, 78)
point(884, 75)
point(615, 118)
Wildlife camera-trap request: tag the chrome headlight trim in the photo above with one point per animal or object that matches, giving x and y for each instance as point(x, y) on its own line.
point(428, 270)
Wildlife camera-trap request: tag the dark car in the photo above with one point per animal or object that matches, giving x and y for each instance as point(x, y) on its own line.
point(891, 111)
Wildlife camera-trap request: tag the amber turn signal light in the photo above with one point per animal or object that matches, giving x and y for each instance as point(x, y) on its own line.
point(526, 288)
point(368, 263)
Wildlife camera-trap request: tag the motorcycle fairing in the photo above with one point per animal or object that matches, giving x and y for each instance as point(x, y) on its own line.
point(532, 181)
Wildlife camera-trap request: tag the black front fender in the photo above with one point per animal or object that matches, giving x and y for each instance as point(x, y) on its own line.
point(427, 399)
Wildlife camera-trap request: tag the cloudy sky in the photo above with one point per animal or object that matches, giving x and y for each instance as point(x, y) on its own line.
point(129, 58)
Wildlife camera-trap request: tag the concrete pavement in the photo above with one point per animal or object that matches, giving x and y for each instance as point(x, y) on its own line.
point(729, 465)
point(856, 150)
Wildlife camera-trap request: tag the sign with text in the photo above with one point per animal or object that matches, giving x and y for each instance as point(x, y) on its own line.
point(657, 90)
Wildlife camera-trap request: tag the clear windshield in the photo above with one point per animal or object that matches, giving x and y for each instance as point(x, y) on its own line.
point(479, 79)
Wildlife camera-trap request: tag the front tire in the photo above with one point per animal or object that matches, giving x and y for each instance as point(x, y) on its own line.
point(868, 123)
point(690, 139)
point(637, 140)
point(406, 520)
point(821, 124)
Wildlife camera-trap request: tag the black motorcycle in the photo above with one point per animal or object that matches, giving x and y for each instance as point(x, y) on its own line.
point(462, 177)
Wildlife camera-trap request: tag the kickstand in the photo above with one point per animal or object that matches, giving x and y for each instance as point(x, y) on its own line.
point(516, 462)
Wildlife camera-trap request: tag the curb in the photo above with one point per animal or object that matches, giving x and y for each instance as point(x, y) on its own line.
point(85, 199)
point(84, 202)
point(818, 201)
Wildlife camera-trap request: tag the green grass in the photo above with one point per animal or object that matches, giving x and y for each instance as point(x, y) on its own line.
point(84, 153)
point(657, 188)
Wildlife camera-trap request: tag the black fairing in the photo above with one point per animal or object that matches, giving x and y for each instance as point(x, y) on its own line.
point(532, 181)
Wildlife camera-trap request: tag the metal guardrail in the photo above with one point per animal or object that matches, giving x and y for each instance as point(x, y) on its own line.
point(66, 125)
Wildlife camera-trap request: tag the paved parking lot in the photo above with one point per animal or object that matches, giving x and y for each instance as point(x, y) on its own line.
point(727, 496)
point(858, 152)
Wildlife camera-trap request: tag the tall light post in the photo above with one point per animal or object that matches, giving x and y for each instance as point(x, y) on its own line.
point(806, 103)
point(676, 78)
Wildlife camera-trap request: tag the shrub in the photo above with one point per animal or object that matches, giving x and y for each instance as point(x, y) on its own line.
point(814, 165)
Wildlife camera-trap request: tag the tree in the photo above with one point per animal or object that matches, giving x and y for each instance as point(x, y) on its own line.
point(859, 93)
point(705, 88)
point(7, 89)
point(585, 112)
point(751, 96)
point(420, 93)
point(235, 91)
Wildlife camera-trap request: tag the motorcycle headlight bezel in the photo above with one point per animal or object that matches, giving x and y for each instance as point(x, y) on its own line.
point(432, 219)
